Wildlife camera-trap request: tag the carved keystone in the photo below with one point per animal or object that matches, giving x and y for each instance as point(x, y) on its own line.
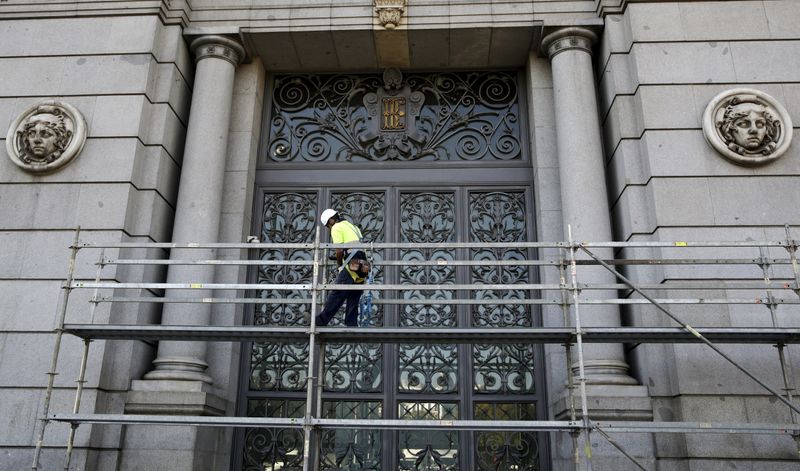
point(390, 12)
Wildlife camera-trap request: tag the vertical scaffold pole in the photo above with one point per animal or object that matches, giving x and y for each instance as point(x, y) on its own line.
point(579, 343)
point(773, 308)
point(76, 408)
point(84, 360)
point(312, 358)
point(791, 246)
point(562, 272)
point(318, 404)
point(62, 313)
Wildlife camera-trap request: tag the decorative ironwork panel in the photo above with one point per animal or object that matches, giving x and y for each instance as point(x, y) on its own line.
point(428, 450)
point(445, 116)
point(351, 367)
point(351, 449)
point(286, 218)
point(273, 449)
point(356, 368)
point(428, 368)
point(502, 369)
point(427, 217)
point(278, 367)
point(499, 217)
point(506, 451)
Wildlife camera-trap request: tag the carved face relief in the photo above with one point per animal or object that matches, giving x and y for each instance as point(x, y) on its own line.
point(747, 126)
point(46, 136)
point(749, 130)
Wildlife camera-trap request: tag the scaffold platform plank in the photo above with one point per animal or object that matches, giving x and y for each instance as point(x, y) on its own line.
point(382, 424)
point(398, 424)
point(749, 335)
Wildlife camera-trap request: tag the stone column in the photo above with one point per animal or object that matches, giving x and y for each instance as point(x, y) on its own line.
point(583, 186)
point(197, 213)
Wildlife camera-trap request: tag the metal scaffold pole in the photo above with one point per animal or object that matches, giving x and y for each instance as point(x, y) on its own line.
point(59, 331)
point(791, 247)
point(314, 355)
point(84, 360)
point(562, 272)
point(587, 429)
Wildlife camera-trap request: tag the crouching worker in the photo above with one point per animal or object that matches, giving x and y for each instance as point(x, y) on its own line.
point(353, 270)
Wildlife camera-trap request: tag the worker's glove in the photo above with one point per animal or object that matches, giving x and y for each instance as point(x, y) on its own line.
point(332, 257)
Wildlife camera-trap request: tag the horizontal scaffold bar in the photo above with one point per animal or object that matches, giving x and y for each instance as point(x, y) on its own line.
point(561, 335)
point(447, 262)
point(698, 427)
point(397, 424)
point(700, 284)
point(384, 424)
point(444, 302)
point(415, 245)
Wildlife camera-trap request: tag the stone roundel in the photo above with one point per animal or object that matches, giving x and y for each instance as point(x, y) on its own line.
point(747, 126)
point(46, 137)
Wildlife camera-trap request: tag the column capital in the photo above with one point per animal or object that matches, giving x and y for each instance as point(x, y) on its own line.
point(568, 38)
point(219, 47)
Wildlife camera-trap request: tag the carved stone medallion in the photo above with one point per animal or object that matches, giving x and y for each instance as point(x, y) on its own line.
point(747, 126)
point(46, 136)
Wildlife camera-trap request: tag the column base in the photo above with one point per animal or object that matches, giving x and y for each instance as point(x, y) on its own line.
point(610, 372)
point(170, 397)
point(179, 369)
point(609, 402)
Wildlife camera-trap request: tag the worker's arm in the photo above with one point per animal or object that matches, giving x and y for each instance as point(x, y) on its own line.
point(339, 257)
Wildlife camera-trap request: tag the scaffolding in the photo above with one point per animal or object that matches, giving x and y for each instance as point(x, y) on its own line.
point(567, 294)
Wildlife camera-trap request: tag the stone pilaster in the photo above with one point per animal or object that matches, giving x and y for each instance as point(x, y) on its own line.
point(584, 197)
point(197, 216)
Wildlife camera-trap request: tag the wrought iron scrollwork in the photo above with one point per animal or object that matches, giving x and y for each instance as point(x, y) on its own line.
point(286, 218)
point(349, 449)
point(499, 217)
point(428, 217)
point(446, 116)
point(278, 367)
point(273, 449)
point(503, 369)
point(425, 450)
point(353, 367)
point(506, 450)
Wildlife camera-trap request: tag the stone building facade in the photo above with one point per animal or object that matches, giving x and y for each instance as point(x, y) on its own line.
point(182, 121)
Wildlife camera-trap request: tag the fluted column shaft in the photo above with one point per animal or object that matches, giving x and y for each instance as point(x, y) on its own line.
point(584, 197)
point(197, 213)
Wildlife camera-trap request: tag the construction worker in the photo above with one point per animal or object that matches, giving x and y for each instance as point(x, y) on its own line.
point(342, 232)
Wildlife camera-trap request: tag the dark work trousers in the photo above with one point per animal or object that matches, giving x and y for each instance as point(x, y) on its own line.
point(335, 300)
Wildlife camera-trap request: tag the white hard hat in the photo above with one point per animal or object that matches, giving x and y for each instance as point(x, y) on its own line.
point(327, 214)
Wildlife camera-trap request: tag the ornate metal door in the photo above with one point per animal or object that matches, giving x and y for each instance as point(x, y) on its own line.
point(426, 202)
